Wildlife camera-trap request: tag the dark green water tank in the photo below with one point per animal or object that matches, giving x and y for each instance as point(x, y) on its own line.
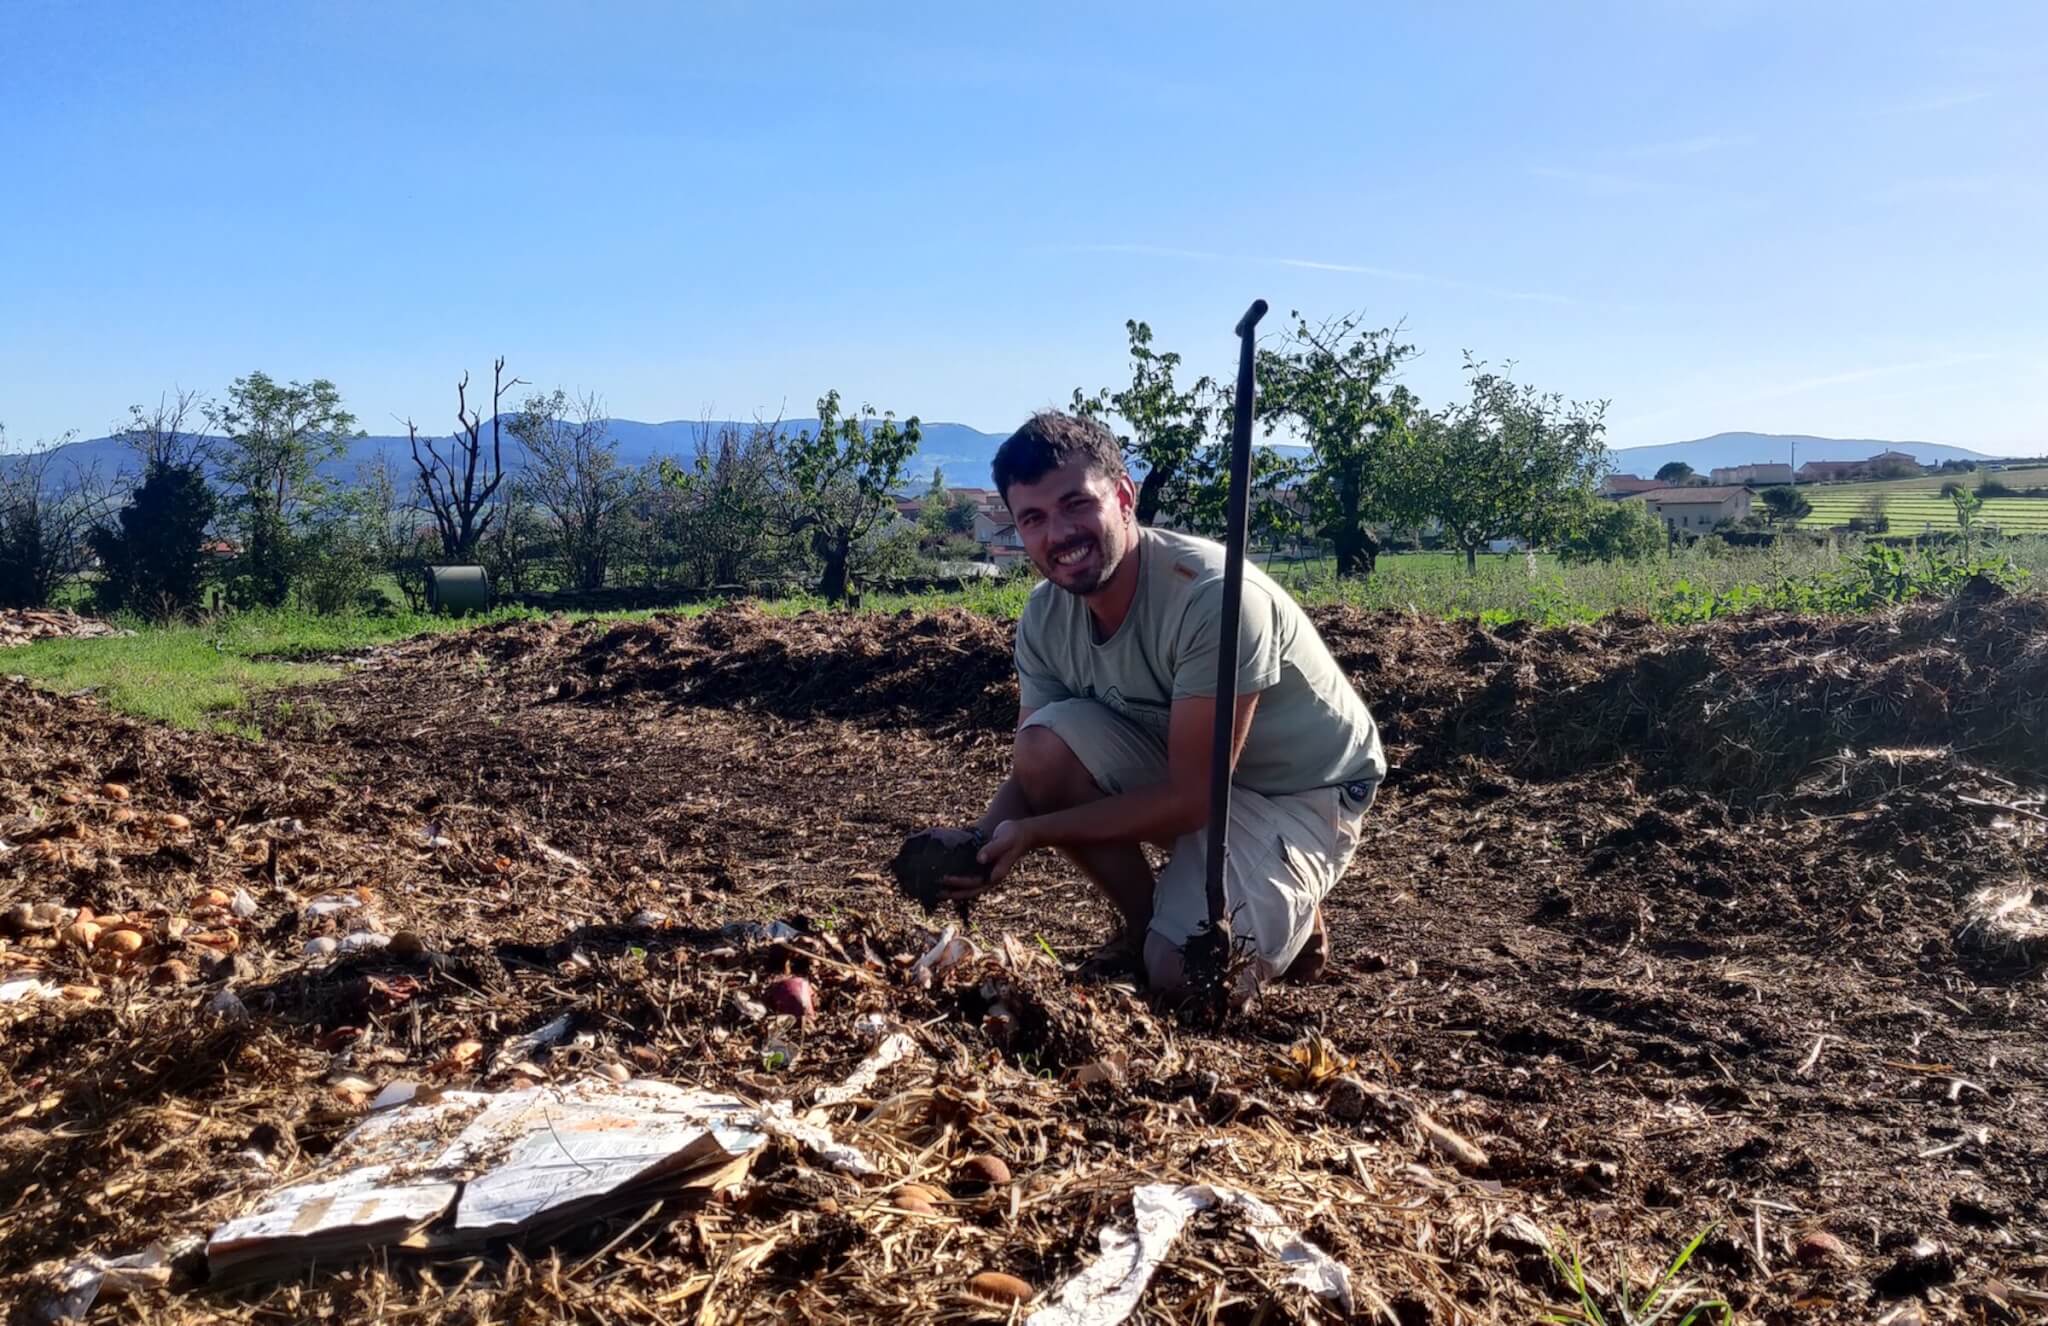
point(458, 589)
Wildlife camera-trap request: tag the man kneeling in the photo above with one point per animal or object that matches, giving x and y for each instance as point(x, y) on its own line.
point(1116, 670)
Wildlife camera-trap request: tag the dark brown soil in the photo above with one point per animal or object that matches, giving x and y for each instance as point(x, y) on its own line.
point(1665, 921)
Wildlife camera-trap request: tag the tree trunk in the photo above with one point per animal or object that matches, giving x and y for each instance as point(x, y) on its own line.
point(1358, 552)
point(835, 555)
point(1149, 494)
point(1471, 559)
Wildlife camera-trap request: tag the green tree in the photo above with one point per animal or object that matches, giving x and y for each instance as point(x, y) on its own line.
point(151, 555)
point(1783, 502)
point(729, 500)
point(277, 436)
point(945, 515)
point(1676, 473)
point(1273, 513)
point(1331, 384)
point(840, 482)
point(1164, 425)
point(1511, 462)
point(1614, 532)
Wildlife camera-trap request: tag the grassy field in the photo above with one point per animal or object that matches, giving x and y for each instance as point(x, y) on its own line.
point(1913, 510)
point(1916, 505)
point(204, 675)
point(2027, 476)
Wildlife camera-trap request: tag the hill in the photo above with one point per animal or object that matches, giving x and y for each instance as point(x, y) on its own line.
point(964, 452)
point(1724, 449)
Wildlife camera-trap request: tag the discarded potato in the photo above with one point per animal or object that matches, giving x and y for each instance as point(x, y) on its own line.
point(114, 791)
point(917, 1199)
point(989, 1171)
point(121, 942)
point(176, 822)
point(999, 1288)
point(82, 934)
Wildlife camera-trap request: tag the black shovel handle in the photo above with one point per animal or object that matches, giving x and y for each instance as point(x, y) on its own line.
point(1237, 519)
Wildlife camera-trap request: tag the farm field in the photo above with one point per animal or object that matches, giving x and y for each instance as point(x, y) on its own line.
point(2016, 477)
point(1655, 930)
point(1910, 511)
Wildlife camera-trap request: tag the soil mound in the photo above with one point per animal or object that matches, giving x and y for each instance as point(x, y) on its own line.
point(1746, 708)
point(946, 671)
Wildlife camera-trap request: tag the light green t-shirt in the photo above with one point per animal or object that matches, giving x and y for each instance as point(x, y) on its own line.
point(1310, 729)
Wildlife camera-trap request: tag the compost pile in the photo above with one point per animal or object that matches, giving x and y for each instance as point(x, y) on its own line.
point(1734, 927)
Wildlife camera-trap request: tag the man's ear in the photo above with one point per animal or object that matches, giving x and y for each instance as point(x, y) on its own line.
point(1126, 493)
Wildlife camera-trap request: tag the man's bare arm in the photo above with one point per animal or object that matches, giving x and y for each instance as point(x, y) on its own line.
point(1008, 803)
point(1163, 811)
point(1158, 813)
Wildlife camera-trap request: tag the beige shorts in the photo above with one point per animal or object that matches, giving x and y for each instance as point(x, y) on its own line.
point(1286, 852)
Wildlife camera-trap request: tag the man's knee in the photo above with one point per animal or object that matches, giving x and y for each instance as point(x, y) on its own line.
point(1164, 969)
point(1051, 775)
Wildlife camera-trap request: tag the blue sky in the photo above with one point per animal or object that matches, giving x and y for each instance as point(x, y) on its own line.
point(1809, 217)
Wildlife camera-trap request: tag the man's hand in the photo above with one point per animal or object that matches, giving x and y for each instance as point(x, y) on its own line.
point(1009, 843)
point(928, 860)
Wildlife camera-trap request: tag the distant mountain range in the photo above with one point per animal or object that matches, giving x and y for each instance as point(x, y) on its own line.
point(963, 452)
point(1730, 449)
point(966, 453)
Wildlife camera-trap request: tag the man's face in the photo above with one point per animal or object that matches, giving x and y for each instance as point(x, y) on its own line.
point(1076, 524)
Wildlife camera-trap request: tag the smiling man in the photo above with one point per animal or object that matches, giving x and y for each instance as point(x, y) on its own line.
point(1116, 670)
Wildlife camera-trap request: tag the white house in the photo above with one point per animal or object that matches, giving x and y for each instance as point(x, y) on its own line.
point(1775, 473)
point(1691, 512)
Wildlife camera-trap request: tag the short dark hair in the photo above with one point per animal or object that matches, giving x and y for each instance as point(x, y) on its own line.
point(1051, 439)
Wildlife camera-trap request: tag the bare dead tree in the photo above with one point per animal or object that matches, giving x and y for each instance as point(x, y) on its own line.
point(458, 487)
point(575, 478)
point(49, 506)
point(163, 434)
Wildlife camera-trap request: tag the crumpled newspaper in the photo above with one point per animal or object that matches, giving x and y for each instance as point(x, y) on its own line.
point(1108, 1291)
point(78, 1286)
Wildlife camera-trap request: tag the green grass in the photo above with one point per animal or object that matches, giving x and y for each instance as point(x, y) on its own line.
point(1916, 504)
point(1662, 1301)
point(204, 676)
point(1910, 512)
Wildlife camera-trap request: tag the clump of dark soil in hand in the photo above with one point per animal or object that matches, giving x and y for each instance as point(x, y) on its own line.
point(927, 860)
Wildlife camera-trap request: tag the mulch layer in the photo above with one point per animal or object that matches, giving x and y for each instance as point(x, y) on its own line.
point(1652, 931)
